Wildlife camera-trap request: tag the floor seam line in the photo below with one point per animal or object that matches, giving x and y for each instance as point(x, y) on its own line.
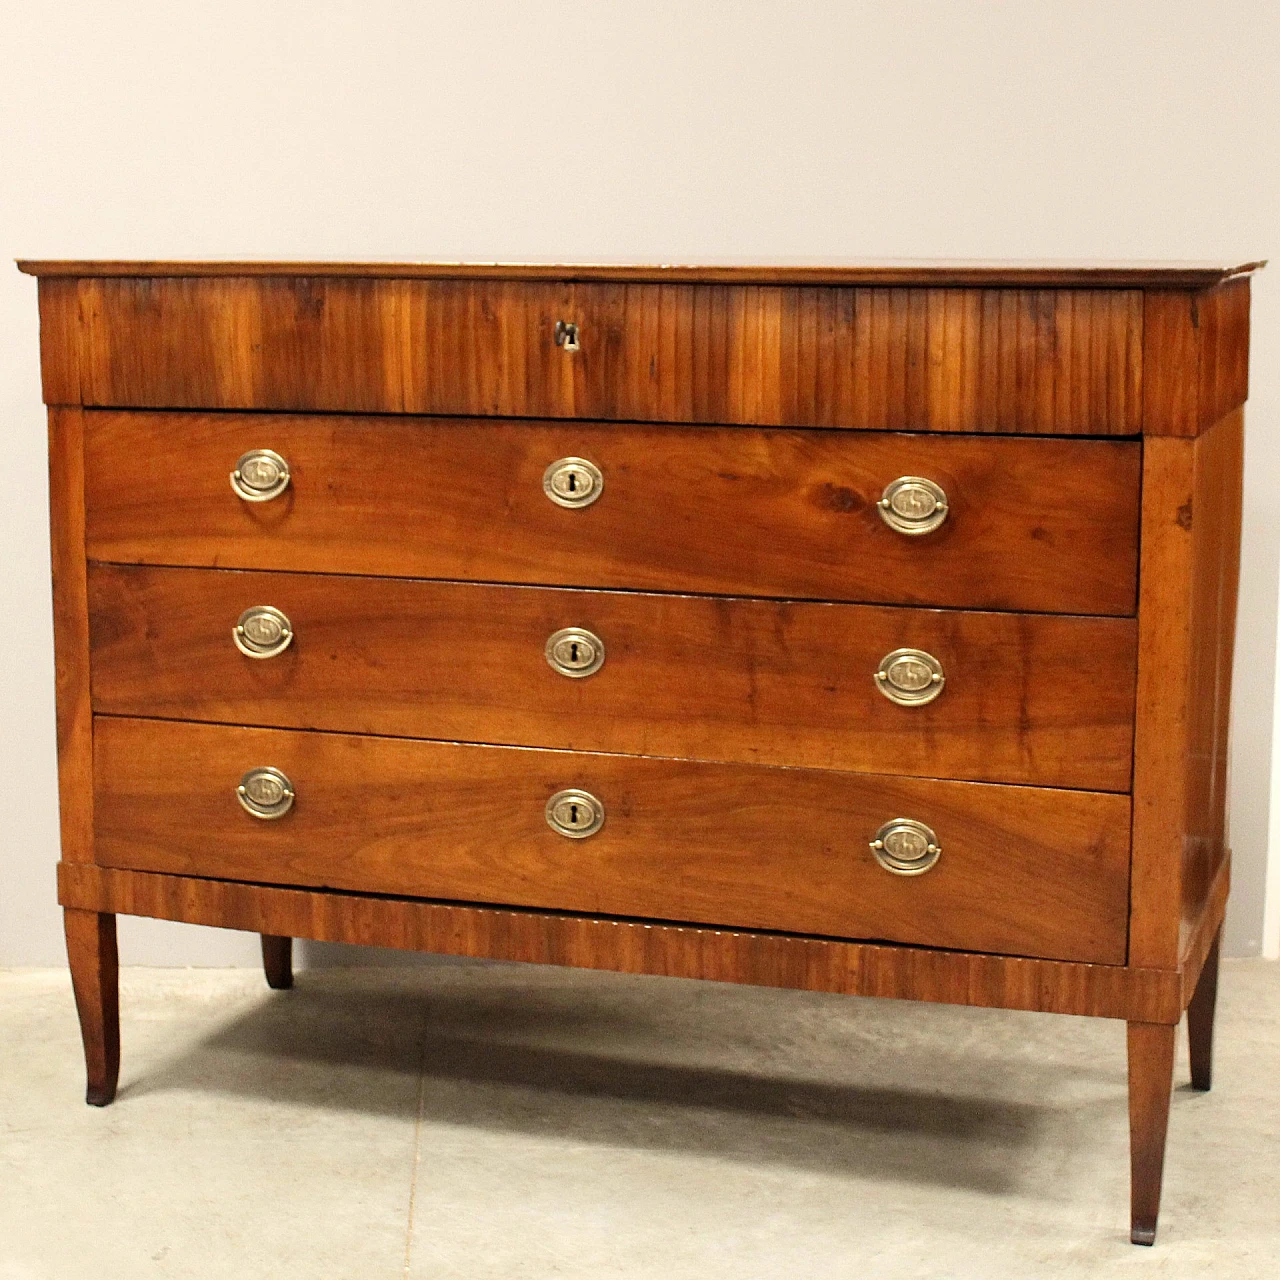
point(417, 1154)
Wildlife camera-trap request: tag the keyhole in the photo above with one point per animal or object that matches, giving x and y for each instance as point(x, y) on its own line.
point(573, 815)
point(573, 481)
point(573, 652)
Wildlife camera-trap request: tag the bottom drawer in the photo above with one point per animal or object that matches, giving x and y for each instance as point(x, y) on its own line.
point(1022, 870)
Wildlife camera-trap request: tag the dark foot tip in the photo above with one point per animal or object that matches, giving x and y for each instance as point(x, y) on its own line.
point(99, 1097)
point(1143, 1235)
point(285, 984)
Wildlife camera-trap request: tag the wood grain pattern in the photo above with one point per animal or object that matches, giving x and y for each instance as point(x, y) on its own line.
point(1040, 360)
point(1151, 1049)
point(71, 633)
point(1196, 357)
point(1042, 525)
point(1024, 871)
point(631, 946)
point(940, 272)
point(1186, 627)
point(1029, 698)
point(94, 963)
point(60, 341)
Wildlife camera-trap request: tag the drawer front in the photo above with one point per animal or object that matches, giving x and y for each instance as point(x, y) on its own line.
point(1027, 698)
point(1022, 870)
point(1030, 524)
point(944, 359)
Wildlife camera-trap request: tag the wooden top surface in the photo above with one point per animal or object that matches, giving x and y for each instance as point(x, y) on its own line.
point(906, 272)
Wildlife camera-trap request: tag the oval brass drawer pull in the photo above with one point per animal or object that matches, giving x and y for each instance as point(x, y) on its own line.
point(262, 632)
point(910, 677)
point(573, 482)
point(265, 793)
point(913, 505)
point(575, 813)
point(575, 652)
point(906, 847)
point(260, 475)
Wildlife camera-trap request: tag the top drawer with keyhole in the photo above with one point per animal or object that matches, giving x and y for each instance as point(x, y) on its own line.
point(1012, 523)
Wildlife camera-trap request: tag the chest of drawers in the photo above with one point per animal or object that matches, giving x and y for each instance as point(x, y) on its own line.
point(863, 629)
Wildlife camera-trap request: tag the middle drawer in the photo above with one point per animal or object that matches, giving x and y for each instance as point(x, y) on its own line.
point(1024, 698)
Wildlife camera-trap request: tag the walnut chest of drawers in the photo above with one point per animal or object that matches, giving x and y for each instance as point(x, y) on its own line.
point(863, 629)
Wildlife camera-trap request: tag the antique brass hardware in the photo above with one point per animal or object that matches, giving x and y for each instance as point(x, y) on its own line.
point(260, 475)
point(910, 677)
point(566, 335)
point(913, 505)
point(906, 847)
point(572, 482)
point(265, 793)
point(575, 813)
point(575, 652)
point(262, 632)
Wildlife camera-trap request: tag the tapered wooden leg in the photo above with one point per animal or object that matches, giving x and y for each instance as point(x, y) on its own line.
point(277, 960)
point(1200, 1018)
point(1150, 1086)
point(95, 977)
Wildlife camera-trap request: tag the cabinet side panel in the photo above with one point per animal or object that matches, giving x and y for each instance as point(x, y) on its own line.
point(71, 632)
point(1214, 586)
point(1186, 621)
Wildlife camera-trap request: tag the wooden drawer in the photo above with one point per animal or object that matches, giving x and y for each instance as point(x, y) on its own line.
point(1031, 698)
point(1023, 870)
point(939, 359)
point(1033, 524)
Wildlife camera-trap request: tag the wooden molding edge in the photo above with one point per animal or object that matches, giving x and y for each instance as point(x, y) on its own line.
point(627, 946)
point(937, 272)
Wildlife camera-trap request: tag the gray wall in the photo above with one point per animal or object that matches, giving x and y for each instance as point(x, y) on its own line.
point(649, 132)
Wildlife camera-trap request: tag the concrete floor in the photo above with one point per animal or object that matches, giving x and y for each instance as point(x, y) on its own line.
point(485, 1120)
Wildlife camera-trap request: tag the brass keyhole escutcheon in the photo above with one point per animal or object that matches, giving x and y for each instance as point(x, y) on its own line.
point(260, 475)
point(573, 482)
point(566, 335)
point(575, 813)
point(262, 632)
point(575, 652)
point(913, 505)
point(906, 847)
point(265, 793)
point(910, 677)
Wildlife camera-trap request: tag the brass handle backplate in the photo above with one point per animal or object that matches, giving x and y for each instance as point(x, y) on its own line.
point(906, 847)
point(575, 813)
point(262, 632)
point(910, 677)
point(575, 652)
point(572, 482)
point(265, 793)
point(913, 505)
point(260, 475)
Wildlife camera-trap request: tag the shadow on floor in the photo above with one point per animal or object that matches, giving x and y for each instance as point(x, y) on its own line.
point(574, 1066)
